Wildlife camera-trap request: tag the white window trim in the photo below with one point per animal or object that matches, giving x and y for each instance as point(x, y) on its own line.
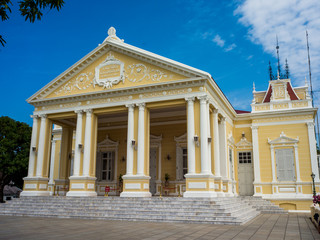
point(107, 145)
point(181, 142)
point(284, 142)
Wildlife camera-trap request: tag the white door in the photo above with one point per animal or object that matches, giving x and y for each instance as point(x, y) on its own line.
point(153, 170)
point(245, 173)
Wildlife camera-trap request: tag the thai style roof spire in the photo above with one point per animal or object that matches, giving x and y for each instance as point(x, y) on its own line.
point(254, 87)
point(270, 71)
point(287, 74)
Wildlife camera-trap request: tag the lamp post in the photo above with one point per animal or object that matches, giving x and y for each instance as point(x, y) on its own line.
point(313, 186)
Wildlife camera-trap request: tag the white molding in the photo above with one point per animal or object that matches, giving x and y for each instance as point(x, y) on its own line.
point(135, 194)
point(243, 125)
point(200, 194)
point(30, 186)
point(34, 193)
point(81, 194)
point(77, 185)
point(132, 186)
point(197, 185)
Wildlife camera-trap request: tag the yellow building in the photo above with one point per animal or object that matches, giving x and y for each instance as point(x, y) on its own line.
point(145, 125)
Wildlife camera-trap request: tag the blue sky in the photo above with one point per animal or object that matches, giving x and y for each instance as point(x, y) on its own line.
point(232, 40)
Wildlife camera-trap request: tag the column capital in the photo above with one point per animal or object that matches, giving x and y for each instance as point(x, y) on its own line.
point(223, 119)
point(78, 111)
point(254, 127)
point(34, 116)
point(43, 116)
point(141, 106)
point(190, 99)
point(88, 110)
point(130, 106)
point(310, 124)
point(215, 111)
point(203, 98)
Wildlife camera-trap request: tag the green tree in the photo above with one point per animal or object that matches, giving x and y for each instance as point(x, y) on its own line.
point(14, 152)
point(30, 9)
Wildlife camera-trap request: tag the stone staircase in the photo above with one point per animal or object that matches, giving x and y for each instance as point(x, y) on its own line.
point(262, 205)
point(167, 209)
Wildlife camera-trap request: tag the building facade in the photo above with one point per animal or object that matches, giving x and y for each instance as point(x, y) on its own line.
point(145, 125)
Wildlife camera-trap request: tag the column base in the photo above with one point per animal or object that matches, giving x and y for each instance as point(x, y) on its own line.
point(82, 187)
point(35, 186)
point(135, 186)
point(34, 193)
point(200, 186)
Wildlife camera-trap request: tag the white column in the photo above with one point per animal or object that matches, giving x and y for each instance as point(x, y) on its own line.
point(216, 143)
point(130, 136)
point(159, 164)
point(77, 149)
point(296, 157)
point(273, 165)
point(256, 160)
point(190, 135)
point(223, 148)
point(209, 143)
point(52, 158)
point(141, 147)
point(33, 145)
point(87, 143)
point(41, 145)
point(204, 135)
point(313, 150)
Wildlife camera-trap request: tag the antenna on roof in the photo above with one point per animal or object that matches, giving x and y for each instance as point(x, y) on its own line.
point(311, 92)
point(277, 47)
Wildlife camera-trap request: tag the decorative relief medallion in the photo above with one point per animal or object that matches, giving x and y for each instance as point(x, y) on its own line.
point(81, 82)
point(139, 72)
point(109, 72)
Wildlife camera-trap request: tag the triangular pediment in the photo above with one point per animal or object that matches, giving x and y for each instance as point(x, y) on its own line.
point(244, 143)
point(107, 144)
point(283, 139)
point(115, 65)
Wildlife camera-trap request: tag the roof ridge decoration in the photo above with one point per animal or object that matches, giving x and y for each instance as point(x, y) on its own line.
point(112, 35)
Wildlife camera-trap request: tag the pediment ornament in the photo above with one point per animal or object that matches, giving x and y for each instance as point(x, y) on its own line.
point(244, 143)
point(283, 139)
point(181, 140)
point(110, 72)
point(107, 144)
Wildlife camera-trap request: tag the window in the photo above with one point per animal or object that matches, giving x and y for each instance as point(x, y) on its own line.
point(184, 161)
point(285, 164)
point(245, 157)
point(107, 165)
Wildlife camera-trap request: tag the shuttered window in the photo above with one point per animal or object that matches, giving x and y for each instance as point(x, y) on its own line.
point(285, 164)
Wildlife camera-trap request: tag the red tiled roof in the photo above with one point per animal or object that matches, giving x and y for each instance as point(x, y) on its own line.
point(268, 95)
point(241, 111)
point(290, 90)
point(292, 94)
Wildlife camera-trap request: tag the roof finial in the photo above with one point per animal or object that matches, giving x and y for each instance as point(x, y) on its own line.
point(277, 47)
point(254, 87)
point(306, 81)
point(278, 76)
point(112, 35)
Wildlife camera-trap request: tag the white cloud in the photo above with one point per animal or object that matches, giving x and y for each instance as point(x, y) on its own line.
point(218, 40)
point(288, 19)
point(230, 47)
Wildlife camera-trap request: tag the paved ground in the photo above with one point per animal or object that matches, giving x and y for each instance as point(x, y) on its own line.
point(265, 226)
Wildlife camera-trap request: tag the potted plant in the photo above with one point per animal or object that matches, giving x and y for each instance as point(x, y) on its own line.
point(120, 182)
